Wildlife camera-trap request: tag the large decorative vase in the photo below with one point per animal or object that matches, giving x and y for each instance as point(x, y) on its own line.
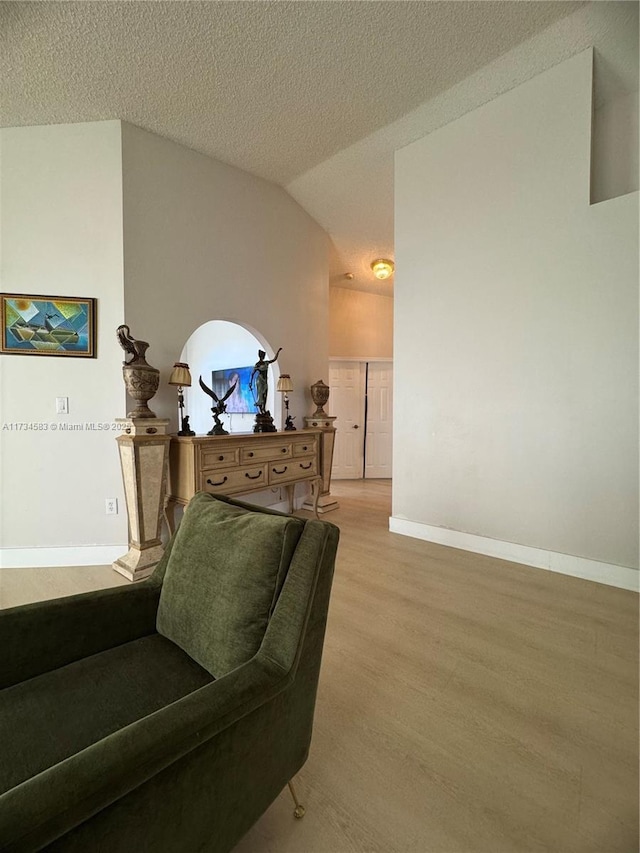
point(141, 381)
point(319, 395)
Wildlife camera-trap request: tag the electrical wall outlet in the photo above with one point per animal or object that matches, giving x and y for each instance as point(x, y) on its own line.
point(111, 506)
point(62, 405)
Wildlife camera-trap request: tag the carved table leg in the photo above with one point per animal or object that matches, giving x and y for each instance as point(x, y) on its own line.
point(316, 488)
point(291, 490)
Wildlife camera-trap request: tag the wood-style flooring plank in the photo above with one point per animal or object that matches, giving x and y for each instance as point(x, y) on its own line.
point(25, 585)
point(466, 705)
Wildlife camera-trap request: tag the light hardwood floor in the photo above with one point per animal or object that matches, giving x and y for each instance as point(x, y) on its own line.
point(466, 704)
point(21, 586)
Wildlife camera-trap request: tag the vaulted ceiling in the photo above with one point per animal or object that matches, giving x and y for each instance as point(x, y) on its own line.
point(279, 89)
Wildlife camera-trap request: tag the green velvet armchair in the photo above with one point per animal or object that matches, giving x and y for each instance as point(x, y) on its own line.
point(167, 715)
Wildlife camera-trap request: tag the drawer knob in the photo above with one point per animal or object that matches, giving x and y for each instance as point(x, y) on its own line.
point(284, 450)
point(250, 453)
point(305, 447)
point(221, 483)
point(275, 470)
point(254, 477)
point(220, 458)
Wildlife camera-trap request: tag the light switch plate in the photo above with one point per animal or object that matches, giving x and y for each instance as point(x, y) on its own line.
point(62, 405)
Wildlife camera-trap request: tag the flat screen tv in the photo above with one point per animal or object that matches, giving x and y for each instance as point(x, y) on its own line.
point(241, 401)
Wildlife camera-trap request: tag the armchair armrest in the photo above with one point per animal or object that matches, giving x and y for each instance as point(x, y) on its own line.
point(37, 638)
point(48, 805)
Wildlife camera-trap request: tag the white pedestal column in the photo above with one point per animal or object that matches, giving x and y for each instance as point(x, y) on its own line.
point(144, 451)
point(325, 502)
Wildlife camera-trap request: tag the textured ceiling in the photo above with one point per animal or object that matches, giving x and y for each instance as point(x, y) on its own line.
point(271, 87)
point(351, 193)
point(312, 95)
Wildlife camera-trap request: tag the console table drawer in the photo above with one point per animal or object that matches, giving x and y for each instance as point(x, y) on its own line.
point(305, 448)
point(212, 458)
point(238, 479)
point(296, 470)
point(241, 464)
point(262, 453)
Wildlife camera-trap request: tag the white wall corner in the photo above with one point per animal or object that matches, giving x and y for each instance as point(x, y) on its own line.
point(565, 564)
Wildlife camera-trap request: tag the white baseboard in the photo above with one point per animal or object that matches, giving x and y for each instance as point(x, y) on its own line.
point(552, 561)
point(84, 555)
point(80, 555)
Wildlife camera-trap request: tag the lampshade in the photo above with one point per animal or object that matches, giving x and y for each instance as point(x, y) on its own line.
point(284, 383)
point(180, 375)
point(382, 268)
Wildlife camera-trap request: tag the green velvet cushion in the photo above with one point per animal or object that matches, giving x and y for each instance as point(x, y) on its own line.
point(222, 580)
point(55, 715)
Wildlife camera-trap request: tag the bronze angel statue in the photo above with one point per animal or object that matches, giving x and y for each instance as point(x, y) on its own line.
point(220, 407)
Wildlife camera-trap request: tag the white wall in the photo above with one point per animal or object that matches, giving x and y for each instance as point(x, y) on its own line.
point(206, 241)
point(614, 159)
point(165, 239)
point(360, 324)
point(61, 232)
point(516, 330)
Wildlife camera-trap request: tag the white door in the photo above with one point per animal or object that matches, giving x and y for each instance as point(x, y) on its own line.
point(379, 419)
point(355, 388)
point(346, 402)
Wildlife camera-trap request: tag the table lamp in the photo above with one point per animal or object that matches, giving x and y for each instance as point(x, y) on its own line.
point(284, 386)
point(181, 377)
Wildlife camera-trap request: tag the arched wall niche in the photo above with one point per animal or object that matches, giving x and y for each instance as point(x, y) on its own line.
point(220, 345)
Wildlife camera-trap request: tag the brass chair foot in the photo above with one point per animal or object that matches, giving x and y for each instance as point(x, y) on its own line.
point(299, 810)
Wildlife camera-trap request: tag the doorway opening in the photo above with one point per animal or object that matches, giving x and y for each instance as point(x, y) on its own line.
point(222, 346)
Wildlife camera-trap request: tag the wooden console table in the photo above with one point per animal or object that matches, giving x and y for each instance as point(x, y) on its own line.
point(242, 463)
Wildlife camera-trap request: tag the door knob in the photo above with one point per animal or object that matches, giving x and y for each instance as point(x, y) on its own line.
point(355, 426)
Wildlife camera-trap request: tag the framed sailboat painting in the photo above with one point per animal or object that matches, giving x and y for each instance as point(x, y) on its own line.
point(48, 325)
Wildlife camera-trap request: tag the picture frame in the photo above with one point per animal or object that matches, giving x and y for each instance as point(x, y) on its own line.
point(241, 401)
point(48, 325)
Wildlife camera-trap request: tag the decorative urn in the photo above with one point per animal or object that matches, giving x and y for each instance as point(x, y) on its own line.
point(319, 395)
point(141, 379)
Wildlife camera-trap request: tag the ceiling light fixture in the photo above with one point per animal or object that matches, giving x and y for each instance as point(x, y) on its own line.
point(382, 268)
